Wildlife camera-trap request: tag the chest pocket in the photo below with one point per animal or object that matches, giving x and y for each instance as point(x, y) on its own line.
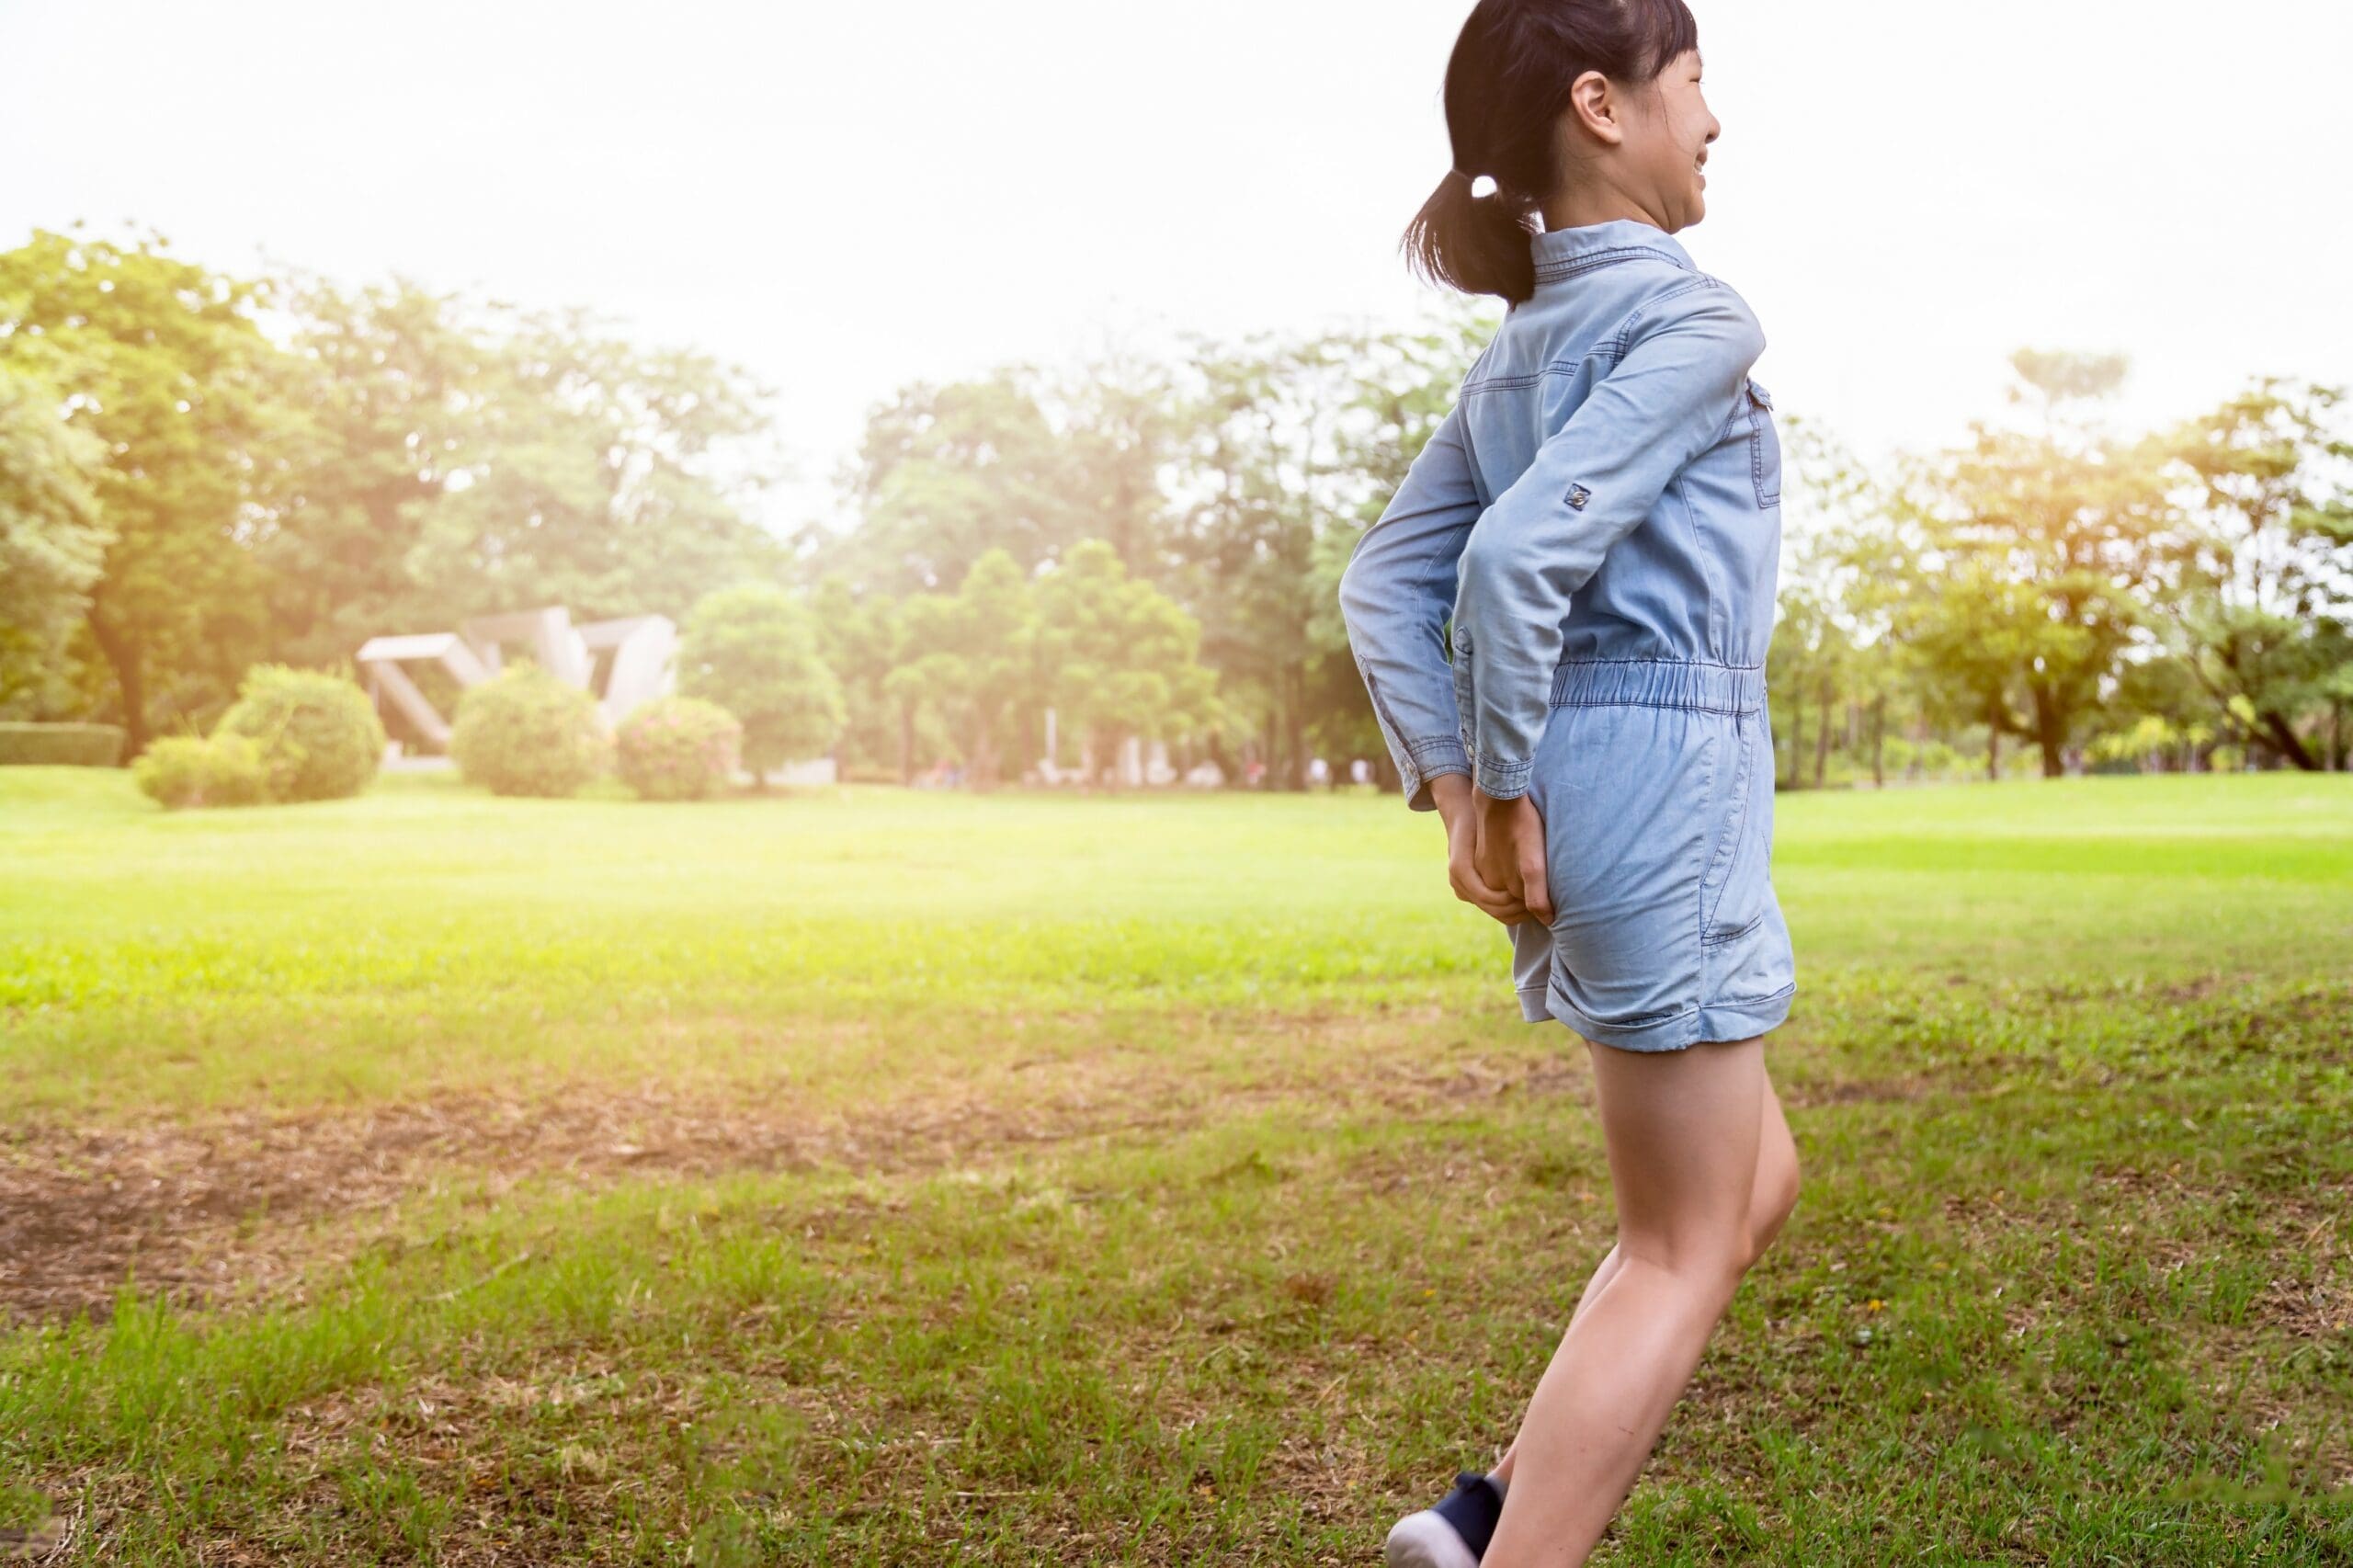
point(1764, 444)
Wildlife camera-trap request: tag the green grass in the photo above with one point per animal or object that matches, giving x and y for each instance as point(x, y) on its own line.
point(871, 1177)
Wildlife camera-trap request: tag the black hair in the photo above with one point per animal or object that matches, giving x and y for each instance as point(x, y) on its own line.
point(1506, 86)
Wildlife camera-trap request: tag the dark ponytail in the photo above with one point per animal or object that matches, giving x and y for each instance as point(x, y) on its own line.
point(1507, 87)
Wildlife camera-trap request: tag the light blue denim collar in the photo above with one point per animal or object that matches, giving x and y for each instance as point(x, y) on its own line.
point(1559, 252)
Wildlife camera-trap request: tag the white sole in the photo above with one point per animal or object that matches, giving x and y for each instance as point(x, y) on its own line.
point(1426, 1540)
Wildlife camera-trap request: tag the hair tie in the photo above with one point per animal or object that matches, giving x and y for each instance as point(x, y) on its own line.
point(1472, 180)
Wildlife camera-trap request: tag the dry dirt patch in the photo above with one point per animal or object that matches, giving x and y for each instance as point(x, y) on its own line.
point(232, 1204)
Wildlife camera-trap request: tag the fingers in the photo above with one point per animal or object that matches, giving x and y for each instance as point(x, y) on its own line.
point(1502, 906)
point(1473, 890)
point(1535, 888)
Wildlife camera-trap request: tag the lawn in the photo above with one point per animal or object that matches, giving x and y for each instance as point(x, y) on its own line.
point(883, 1177)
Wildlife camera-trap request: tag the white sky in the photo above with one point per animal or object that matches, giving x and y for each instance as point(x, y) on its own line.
point(844, 196)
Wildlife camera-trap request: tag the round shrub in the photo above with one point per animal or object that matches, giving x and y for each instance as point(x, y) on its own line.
point(679, 748)
point(183, 771)
point(525, 732)
point(318, 735)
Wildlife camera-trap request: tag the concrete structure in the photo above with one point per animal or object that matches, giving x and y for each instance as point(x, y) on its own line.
point(624, 663)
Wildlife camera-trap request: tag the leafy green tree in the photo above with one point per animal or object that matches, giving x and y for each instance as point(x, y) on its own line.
point(599, 475)
point(946, 474)
point(52, 543)
point(2019, 563)
point(2260, 564)
point(859, 636)
point(752, 650)
point(383, 393)
point(1118, 657)
point(171, 376)
point(974, 657)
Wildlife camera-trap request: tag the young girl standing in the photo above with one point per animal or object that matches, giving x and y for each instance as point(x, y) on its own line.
point(1596, 526)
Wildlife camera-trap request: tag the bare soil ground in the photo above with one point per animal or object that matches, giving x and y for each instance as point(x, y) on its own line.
point(231, 1206)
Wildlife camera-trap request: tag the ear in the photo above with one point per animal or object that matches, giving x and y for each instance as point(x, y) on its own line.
point(1595, 107)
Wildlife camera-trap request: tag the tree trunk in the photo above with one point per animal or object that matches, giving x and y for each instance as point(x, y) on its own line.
point(1214, 744)
point(131, 681)
point(1797, 733)
point(2288, 744)
point(907, 744)
point(1295, 717)
point(982, 775)
point(1878, 740)
point(1992, 752)
point(1822, 735)
point(2050, 725)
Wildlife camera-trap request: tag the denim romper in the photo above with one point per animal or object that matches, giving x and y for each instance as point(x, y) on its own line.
point(1598, 518)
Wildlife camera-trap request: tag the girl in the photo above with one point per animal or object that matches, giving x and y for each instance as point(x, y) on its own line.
point(1598, 518)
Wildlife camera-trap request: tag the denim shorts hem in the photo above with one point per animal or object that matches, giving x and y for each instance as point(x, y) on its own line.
point(1736, 1019)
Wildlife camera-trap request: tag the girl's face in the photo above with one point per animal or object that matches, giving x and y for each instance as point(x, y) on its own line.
point(1668, 140)
point(1638, 151)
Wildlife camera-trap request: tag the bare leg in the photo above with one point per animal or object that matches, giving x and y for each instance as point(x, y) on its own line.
point(1772, 1196)
point(1685, 1129)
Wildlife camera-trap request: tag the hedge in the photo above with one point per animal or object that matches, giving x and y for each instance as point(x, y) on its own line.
point(60, 745)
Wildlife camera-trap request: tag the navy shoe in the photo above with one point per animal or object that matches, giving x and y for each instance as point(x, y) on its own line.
point(1454, 1532)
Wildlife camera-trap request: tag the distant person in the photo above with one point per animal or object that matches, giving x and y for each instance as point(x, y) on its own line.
point(1359, 771)
point(1319, 772)
point(1599, 513)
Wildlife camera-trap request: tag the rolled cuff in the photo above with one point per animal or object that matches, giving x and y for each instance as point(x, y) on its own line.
point(1424, 760)
point(1502, 780)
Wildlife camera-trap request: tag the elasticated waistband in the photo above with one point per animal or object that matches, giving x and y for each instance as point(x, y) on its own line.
point(1659, 683)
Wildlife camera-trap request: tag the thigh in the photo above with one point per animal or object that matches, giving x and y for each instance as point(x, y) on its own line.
point(1685, 1129)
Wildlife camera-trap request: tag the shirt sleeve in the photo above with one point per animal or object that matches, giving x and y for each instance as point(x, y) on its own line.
point(1397, 590)
point(1592, 482)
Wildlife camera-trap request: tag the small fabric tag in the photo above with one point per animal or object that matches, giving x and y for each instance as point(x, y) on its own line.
point(1579, 495)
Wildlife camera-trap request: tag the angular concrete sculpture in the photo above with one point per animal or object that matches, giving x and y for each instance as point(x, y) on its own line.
point(624, 663)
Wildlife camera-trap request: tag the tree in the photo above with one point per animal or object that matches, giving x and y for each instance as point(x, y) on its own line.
point(2259, 600)
point(385, 389)
point(752, 650)
point(1295, 440)
point(1118, 656)
point(599, 475)
point(52, 543)
point(945, 474)
point(171, 375)
point(2020, 561)
point(974, 656)
point(858, 635)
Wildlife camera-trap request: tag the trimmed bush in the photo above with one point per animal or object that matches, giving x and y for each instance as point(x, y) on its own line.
point(60, 745)
point(318, 735)
point(525, 732)
point(184, 771)
point(679, 748)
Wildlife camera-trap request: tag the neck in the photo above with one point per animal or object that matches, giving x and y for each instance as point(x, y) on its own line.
point(1573, 208)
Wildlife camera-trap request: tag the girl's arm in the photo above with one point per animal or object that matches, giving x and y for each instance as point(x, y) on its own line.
point(1591, 483)
point(1396, 593)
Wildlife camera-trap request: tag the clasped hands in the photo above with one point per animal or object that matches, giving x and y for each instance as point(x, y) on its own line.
point(1495, 850)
